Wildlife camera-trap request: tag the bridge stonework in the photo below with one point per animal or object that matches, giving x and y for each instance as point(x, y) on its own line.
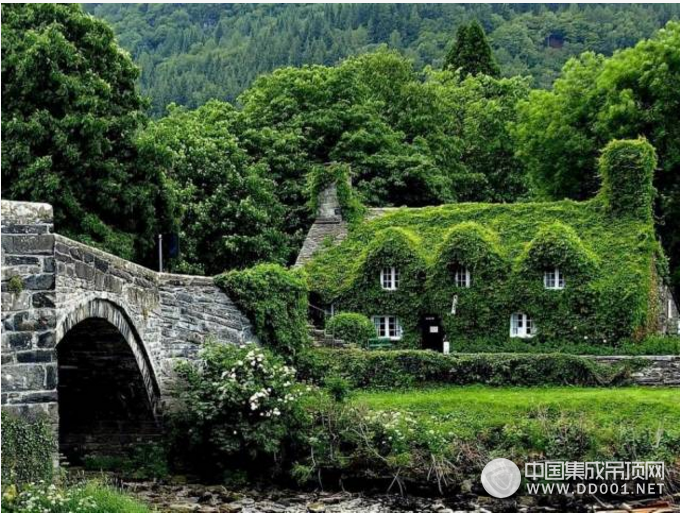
point(50, 284)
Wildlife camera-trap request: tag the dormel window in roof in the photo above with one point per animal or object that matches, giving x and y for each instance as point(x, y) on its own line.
point(389, 278)
point(553, 279)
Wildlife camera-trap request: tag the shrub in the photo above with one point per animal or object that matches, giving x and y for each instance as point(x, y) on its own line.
point(28, 448)
point(627, 169)
point(240, 405)
point(338, 388)
point(393, 369)
point(652, 345)
point(352, 328)
point(83, 498)
point(275, 301)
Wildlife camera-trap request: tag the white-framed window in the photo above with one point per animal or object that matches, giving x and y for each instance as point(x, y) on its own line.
point(389, 278)
point(462, 277)
point(387, 326)
point(553, 279)
point(670, 308)
point(521, 326)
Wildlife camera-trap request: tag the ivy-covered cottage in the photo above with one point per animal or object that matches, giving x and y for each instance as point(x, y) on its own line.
point(589, 271)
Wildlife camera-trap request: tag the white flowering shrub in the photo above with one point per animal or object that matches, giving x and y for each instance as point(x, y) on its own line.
point(242, 405)
point(91, 497)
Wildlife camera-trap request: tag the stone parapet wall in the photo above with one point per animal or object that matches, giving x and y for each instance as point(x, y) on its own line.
point(661, 371)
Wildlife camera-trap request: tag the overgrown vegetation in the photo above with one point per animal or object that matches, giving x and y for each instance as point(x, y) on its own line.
point(241, 410)
point(90, 497)
point(560, 132)
point(652, 345)
point(425, 437)
point(404, 369)
point(275, 300)
point(28, 447)
point(611, 266)
point(442, 436)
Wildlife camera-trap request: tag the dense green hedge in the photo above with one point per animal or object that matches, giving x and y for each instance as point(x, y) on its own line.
point(652, 345)
point(352, 328)
point(393, 369)
point(612, 265)
point(275, 301)
point(28, 448)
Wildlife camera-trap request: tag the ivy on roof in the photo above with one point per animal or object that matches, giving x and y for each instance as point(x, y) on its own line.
point(610, 257)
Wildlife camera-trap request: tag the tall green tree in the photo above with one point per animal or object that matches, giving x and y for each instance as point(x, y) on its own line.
point(230, 215)
point(70, 111)
point(471, 52)
point(598, 99)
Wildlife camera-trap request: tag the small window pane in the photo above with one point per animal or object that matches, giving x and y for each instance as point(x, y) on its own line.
point(462, 277)
point(553, 279)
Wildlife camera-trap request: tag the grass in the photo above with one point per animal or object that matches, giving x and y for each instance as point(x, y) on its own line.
point(469, 410)
point(90, 497)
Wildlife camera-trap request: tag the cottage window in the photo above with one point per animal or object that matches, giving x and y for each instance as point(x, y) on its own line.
point(462, 277)
point(521, 326)
point(553, 279)
point(389, 278)
point(387, 326)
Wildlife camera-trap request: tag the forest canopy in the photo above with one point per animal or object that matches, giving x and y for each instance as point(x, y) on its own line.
point(229, 163)
point(190, 54)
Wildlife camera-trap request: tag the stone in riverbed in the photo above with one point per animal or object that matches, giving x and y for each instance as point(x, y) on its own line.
point(316, 507)
point(184, 506)
point(232, 507)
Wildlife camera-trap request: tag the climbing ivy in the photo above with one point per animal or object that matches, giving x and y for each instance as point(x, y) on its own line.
point(612, 266)
point(322, 177)
point(275, 301)
point(28, 448)
point(362, 292)
point(627, 168)
point(467, 246)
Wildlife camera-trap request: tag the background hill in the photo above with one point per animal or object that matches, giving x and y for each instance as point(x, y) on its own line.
point(192, 53)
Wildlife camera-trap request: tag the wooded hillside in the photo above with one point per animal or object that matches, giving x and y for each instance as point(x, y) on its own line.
point(192, 53)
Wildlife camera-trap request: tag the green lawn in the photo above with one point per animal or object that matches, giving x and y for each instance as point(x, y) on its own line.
point(470, 410)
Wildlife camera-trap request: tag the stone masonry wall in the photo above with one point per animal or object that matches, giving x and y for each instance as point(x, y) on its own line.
point(661, 371)
point(51, 283)
point(29, 363)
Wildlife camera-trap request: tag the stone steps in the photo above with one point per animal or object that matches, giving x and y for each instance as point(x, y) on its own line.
point(322, 339)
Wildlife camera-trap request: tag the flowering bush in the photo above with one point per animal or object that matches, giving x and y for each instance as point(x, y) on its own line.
point(242, 404)
point(82, 498)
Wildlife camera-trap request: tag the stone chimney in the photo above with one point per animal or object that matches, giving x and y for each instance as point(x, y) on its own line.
point(329, 225)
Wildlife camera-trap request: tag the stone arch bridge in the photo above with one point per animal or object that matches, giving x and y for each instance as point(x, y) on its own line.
point(90, 339)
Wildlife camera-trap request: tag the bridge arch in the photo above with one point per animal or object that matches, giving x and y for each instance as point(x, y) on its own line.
point(107, 389)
